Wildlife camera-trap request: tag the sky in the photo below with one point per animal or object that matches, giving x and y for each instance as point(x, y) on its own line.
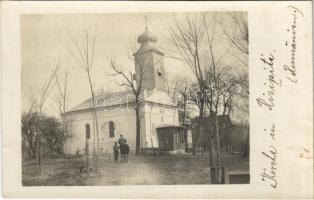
point(47, 38)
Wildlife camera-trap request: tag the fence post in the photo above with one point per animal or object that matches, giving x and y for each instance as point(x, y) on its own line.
point(87, 127)
point(226, 175)
point(213, 175)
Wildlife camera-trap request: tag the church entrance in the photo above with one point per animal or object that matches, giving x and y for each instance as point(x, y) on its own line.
point(171, 138)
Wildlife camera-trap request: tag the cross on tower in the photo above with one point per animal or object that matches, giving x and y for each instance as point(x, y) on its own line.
point(146, 22)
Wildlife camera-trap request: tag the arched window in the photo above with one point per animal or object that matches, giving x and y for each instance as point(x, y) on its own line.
point(111, 129)
point(87, 130)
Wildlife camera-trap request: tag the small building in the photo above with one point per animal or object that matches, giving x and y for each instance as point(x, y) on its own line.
point(171, 138)
point(233, 137)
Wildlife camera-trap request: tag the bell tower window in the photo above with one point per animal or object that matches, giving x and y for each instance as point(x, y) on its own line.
point(160, 71)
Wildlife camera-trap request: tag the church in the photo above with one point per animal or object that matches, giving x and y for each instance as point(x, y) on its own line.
point(159, 120)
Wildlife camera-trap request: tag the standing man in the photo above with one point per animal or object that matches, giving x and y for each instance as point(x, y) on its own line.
point(116, 152)
point(121, 143)
point(121, 140)
point(126, 149)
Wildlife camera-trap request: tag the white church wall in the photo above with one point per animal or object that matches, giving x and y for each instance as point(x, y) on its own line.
point(149, 133)
point(77, 131)
point(125, 124)
point(124, 121)
point(157, 115)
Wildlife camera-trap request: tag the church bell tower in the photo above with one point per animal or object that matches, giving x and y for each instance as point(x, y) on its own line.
point(149, 62)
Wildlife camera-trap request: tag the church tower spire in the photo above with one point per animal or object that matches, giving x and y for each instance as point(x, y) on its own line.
point(146, 22)
point(149, 59)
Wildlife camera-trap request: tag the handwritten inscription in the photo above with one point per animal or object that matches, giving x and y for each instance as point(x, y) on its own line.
point(271, 132)
point(267, 98)
point(291, 68)
point(269, 174)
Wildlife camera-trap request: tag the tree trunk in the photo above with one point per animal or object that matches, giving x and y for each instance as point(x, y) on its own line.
point(217, 140)
point(97, 143)
point(212, 164)
point(211, 152)
point(32, 152)
point(95, 121)
point(185, 128)
point(138, 128)
point(186, 139)
point(87, 155)
point(38, 161)
point(198, 127)
point(246, 152)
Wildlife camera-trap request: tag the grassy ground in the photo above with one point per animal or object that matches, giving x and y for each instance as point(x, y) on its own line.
point(140, 170)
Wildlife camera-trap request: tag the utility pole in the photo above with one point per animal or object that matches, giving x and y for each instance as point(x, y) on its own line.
point(87, 127)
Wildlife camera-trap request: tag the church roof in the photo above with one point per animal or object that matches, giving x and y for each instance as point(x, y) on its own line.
point(106, 99)
point(148, 42)
point(168, 126)
point(147, 47)
point(123, 97)
point(147, 36)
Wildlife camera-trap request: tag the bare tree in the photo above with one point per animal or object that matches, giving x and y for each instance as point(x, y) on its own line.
point(29, 129)
point(244, 108)
point(135, 85)
point(179, 93)
point(195, 38)
point(183, 105)
point(238, 35)
point(187, 36)
point(45, 91)
point(236, 31)
point(62, 99)
point(222, 88)
point(83, 54)
point(223, 97)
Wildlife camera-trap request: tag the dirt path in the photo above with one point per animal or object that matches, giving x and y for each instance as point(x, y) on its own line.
point(140, 170)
